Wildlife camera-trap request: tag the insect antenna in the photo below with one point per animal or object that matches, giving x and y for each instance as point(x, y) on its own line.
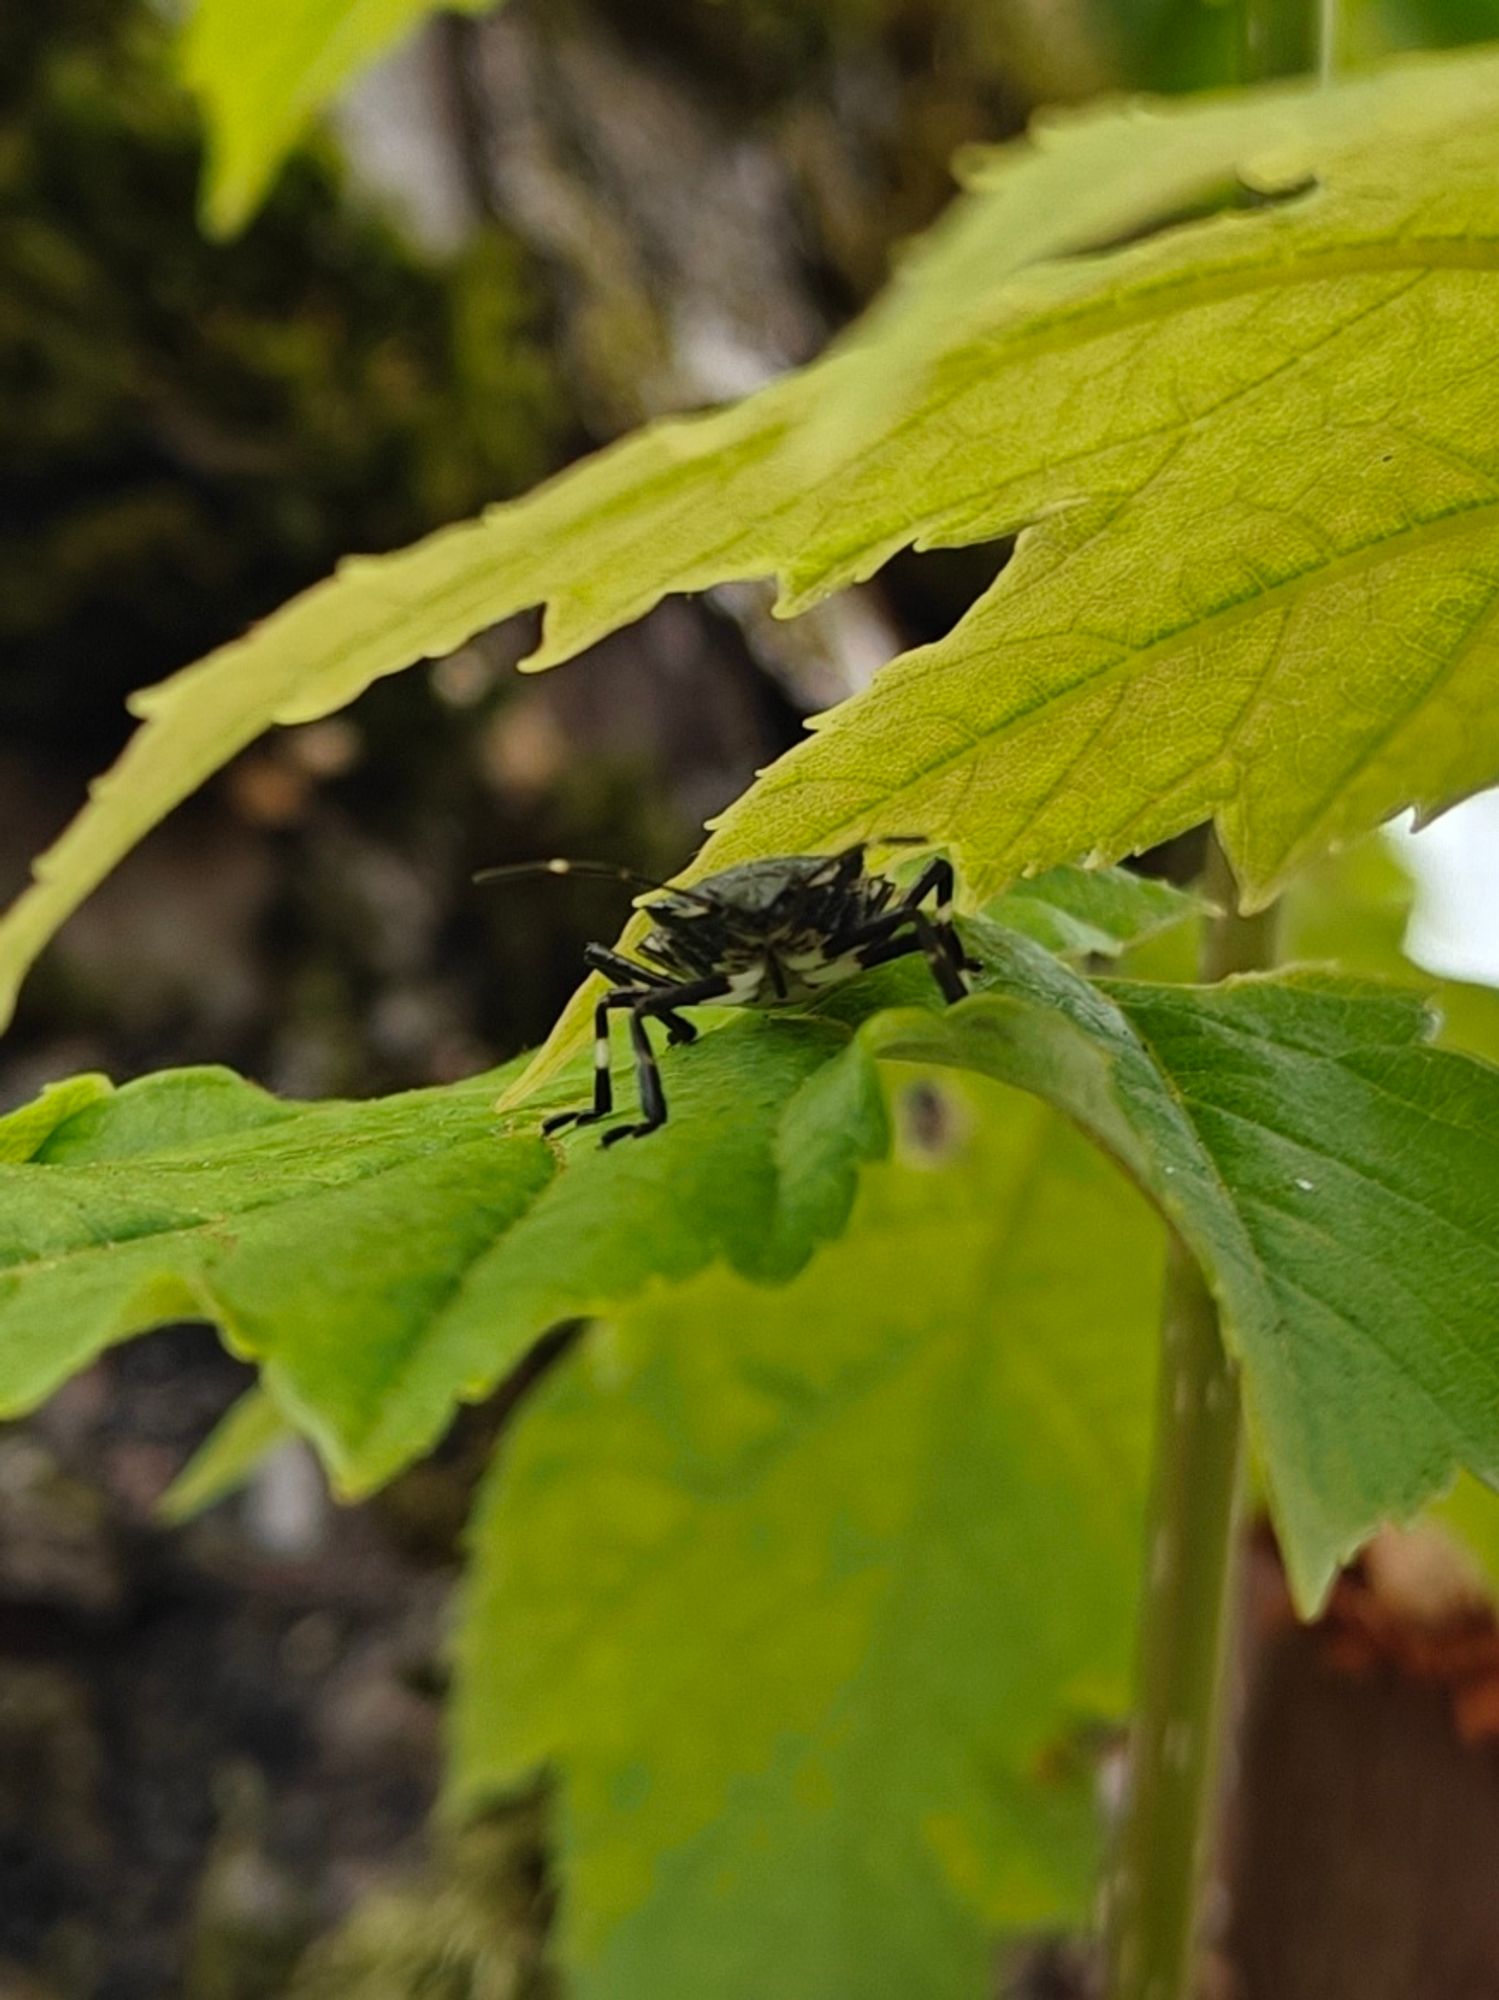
point(593, 871)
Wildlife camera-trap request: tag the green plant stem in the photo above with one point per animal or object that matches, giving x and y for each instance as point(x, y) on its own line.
point(1192, 1542)
point(1278, 38)
point(1327, 40)
point(1192, 1522)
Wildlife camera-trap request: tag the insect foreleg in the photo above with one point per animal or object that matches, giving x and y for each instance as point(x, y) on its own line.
point(647, 1082)
point(642, 1002)
point(663, 1006)
point(623, 971)
point(614, 965)
point(603, 1086)
point(678, 1032)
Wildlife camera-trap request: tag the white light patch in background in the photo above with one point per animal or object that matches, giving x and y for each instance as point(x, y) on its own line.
point(1454, 928)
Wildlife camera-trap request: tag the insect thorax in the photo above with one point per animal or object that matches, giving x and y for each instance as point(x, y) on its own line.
point(774, 930)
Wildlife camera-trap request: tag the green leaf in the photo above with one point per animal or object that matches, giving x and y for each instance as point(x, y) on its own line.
point(1252, 456)
point(1092, 912)
point(263, 67)
point(23, 1133)
point(251, 1429)
point(1354, 908)
point(1350, 909)
point(1469, 1514)
point(385, 1259)
point(803, 1593)
point(1336, 1178)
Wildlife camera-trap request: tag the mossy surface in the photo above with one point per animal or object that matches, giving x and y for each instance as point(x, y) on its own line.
point(193, 430)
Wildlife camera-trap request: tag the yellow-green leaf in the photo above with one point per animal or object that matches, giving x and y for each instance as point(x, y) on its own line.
point(1253, 456)
point(248, 1432)
point(263, 67)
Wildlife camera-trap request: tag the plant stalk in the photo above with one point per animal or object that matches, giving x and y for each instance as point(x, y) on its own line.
point(1191, 1566)
point(1192, 1523)
point(1328, 52)
point(1278, 38)
point(1288, 38)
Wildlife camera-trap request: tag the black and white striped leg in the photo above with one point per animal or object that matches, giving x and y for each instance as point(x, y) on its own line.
point(662, 1006)
point(647, 1082)
point(937, 879)
point(943, 953)
point(626, 973)
point(913, 931)
point(603, 1086)
point(643, 1002)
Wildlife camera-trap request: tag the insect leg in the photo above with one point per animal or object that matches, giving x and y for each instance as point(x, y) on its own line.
point(648, 1082)
point(663, 1006)
point(944, 955)
point(603, 1087)
point(623, 971)
point(883, 946)
point(937, 879)
point(936, 876)
point(678, 1032)
point(917, 932)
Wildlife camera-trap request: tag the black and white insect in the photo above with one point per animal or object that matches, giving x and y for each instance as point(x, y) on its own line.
point(775, 933)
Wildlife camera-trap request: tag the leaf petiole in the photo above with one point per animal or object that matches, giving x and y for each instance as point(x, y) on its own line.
point(1192, 1543)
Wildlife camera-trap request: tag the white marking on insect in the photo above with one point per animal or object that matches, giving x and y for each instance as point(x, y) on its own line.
point(831, 970)
point(764, 935)
point(745, 984)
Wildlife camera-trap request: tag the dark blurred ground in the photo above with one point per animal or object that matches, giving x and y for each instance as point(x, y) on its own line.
point(217, 1743)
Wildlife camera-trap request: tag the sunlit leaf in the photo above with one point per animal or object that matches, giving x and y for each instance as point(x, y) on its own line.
point(1252, 447)
point(247, 1434)
point(263, 67)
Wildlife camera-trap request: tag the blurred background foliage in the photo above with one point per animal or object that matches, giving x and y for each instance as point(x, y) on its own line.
point(519, 236)
point(192, 433)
